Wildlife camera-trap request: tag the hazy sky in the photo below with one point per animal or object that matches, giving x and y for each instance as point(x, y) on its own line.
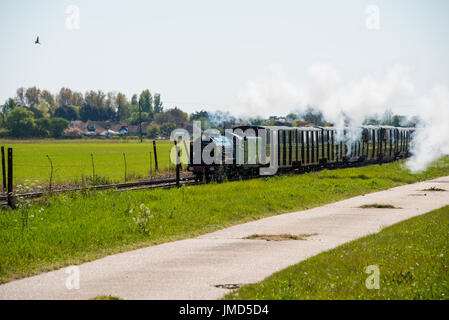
point(201, 54)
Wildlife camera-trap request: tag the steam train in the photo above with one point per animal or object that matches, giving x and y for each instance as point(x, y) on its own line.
point(296, 149)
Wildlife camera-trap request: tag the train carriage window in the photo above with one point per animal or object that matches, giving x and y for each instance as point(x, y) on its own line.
point(284, 148)
point(332, 145)
point(365, 135)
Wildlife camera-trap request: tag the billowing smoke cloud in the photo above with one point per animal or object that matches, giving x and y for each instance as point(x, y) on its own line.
point(353, 102)
point(431, 139)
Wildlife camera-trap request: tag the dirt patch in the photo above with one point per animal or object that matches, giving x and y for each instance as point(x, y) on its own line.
point(280, 237)
point(434, 189)
point(104, 297)
point(378, 206)
point(229, 286)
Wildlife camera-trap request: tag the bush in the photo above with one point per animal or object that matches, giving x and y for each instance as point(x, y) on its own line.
point(153, 131)
point(4, 133)
point(20, 123)
point(73, 132)
point(167, 128)
point(57, 127)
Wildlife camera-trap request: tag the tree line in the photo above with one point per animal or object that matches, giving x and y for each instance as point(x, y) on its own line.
point(39, 113)
point(93, 105)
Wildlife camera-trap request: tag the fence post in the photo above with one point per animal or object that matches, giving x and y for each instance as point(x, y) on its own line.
point(151, 164)
point(177, 166)
point(11, 201)
point(156, 167)
point(124, 157)
point(3, 169)
point(51, 171)
point(93, 168)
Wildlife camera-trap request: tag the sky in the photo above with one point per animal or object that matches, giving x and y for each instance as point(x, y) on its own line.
point(214, 55)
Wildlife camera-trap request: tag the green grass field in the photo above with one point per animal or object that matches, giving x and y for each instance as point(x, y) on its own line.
point(412, 258)
point(70, 229)
point(72, 159)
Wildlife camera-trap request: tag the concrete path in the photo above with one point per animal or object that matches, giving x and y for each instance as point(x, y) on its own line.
point(191, 269)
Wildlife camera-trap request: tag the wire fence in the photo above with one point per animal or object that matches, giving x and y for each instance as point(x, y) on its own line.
point(40, 166)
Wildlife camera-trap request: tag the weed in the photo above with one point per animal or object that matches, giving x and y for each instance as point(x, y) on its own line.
point(378, 206)
point(280, 237)
point(104, 297)
point(434, 189)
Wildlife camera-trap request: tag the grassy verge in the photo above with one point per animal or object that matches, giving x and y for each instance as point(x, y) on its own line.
point(412, 257)
point(70, 229)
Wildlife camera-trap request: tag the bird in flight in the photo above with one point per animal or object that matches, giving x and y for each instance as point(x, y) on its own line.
point(37, 40)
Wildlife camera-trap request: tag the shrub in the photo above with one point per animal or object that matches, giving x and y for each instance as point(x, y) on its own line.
point(4, 133)
point(153, 131)
point(73, 132)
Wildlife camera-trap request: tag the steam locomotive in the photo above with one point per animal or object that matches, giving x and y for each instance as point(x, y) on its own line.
point(247, 149)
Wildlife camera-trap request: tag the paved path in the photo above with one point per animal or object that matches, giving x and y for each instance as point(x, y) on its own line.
point(190, 269)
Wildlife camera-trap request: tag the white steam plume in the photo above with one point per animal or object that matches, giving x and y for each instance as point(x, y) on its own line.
point(431, 139)
point(275, 94)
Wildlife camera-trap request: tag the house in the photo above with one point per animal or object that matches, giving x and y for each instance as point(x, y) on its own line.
point(303, 123)
point(123, 130)
point(106, 128)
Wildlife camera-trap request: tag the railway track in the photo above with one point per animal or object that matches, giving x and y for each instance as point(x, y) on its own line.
point(139, 185)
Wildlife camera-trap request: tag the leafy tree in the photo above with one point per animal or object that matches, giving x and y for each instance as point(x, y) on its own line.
point(175, 115)
point(8, 106)
point(134, 100)
point(69, 113)
point(32, 96)
point(134, 118)
point(20, 123)
point(146, 102)
point(158, 108)
point(94, 107)
point(292, 116)
point(167, 128)
point(198, 115)
point(20, 97)
point(314, 116)
point(255, 121)
point(43, 109)
point(48, 97)
point(57, 127)
point(153, 131)
point(123, 109)
point(77, 99)
point(43, 127)
point(64, 97)
point(110, 106)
